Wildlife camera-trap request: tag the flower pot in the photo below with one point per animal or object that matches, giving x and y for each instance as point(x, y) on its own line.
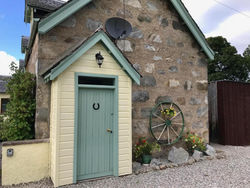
point(146, 159)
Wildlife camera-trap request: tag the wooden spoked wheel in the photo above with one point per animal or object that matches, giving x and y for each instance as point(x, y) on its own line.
point(166, 123)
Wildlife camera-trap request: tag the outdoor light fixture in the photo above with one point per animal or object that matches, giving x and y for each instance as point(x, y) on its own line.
point(99, 59)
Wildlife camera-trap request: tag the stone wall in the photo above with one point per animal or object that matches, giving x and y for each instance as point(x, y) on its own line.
point(42, 93)
point(42, 108)
point(31, 65)
point(160, 47)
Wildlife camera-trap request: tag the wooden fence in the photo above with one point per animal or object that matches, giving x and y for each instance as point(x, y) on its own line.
point(229, 112)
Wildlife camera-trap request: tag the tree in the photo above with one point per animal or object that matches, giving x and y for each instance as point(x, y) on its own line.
point(227, 64)
point(246, 53)
point(19, 115)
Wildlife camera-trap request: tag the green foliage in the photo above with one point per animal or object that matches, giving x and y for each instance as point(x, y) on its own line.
point(246, 53)
point(143, 147)
point(194, 142)
point(19, 115)
point(227, 65)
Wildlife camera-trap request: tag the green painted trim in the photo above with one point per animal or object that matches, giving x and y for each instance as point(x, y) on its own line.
point(96, 86)
point(61, 14)
point(96, 75)
point(198, 35)
point(75, 130)
point(115, 127)
point(99, 36)
point(47, 78)
point(120, 58)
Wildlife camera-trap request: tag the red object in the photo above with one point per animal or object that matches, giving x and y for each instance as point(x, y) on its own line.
point(229, 112)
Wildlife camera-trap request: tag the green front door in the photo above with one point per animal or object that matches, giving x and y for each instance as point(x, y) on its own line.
point(95, 133)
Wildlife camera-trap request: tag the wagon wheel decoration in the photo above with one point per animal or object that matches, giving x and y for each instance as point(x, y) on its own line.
point(166, 123)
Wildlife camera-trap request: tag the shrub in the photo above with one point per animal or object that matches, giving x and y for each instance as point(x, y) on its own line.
point(143, 147)
point(194, 142)
point(18, 121)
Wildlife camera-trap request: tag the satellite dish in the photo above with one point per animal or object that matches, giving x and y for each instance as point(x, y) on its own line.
point(118, 28)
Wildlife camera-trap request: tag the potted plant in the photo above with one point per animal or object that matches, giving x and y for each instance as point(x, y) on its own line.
point(168, 113)
point(143, 150)
point(194, 142)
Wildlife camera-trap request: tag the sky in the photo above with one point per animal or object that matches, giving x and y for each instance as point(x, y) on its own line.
point(12, 27)
point(227, 18)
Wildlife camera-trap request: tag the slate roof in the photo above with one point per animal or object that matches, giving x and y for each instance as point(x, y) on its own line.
point(3, 82)
point(49, 5)
point(24, 43)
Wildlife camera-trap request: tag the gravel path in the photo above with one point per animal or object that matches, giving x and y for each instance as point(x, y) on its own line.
point(234, 171)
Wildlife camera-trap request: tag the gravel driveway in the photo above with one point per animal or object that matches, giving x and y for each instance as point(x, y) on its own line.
point(234, 171)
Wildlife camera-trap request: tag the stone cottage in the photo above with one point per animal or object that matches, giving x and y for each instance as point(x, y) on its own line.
point(163, 59)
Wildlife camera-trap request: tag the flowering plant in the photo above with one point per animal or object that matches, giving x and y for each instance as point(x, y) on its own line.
point(143, 147)
point(194, 142)
point(169, 112)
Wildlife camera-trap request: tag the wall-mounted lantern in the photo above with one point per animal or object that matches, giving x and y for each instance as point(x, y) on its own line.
point(99, 59)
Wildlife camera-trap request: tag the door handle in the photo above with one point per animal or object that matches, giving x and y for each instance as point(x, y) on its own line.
point(109, 130)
